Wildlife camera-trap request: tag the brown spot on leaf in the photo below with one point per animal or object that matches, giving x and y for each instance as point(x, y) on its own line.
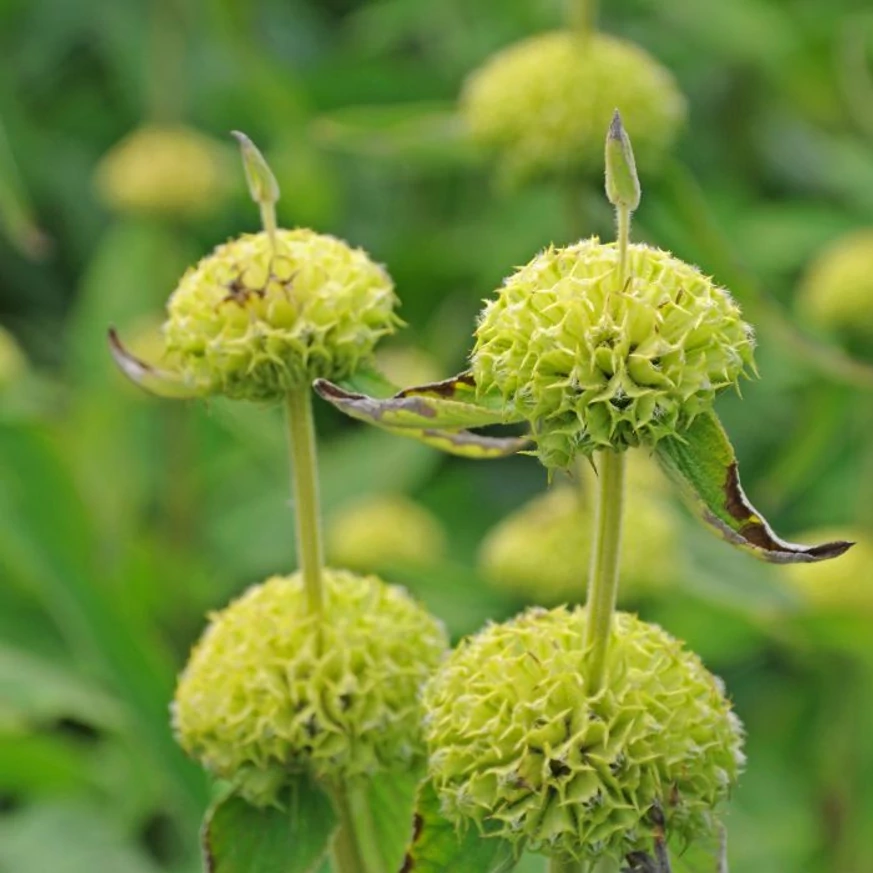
point(417, 827)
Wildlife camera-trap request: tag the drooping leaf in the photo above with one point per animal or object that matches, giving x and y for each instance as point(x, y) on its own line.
point(241, 838)
point(163, 383)
point(438, 847)
point(390, 799)
point(436, 414)
point(703, 463)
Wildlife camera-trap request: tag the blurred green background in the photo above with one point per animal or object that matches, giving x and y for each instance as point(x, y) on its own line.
point(124, 519)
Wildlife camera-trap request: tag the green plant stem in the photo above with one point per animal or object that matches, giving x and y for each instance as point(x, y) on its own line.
point(268, 220)
point(582, 16)
point(623, 218)
point(304, 483)
point(603, 577)
point(346, 851)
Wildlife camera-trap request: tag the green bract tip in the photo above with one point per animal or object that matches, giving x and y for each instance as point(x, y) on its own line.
point(622, 182)
point(262, 183)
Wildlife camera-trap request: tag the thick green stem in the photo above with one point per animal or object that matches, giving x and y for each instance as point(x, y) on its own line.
point(345, 850)
point(623, 217)
point(603, 578)
point(582, 16)
point(304, 483)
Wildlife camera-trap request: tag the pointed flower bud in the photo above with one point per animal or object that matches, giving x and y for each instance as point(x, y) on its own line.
point(517, 745)
point(592, 369)
point(271, 691)
point(263, 187)
point(541, 106)
point(622, 182)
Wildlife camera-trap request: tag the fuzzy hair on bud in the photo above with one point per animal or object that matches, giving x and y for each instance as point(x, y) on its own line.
point(518, 747)
point(271, 691)
point(592, 366)
point(267, 313)
point(541, 105)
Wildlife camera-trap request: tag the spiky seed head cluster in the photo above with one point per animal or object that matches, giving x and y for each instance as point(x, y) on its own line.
point(259, 317)
point(542, 104)
point(542, 551)
point(385, 531)
point(270, 691)
point(519, 747)
point(844, 585)
point(591, 365)
point(13, 363)
point(836, 292)
point(166, 170)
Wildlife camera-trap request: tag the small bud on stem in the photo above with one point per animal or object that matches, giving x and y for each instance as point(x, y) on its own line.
point(622, 185)
point(263, 187)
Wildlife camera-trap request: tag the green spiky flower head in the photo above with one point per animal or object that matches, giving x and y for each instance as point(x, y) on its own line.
point(592, 365)
point(167, 170)
point(266, 313)
point(270, 690)
point(385, 531)
point(519, 747)
point(542, 551)
point(837, 291)
point(542, 105)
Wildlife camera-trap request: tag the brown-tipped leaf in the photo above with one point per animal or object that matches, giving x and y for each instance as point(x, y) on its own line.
point(163, 383)
point(703, 463)
point(437, 414)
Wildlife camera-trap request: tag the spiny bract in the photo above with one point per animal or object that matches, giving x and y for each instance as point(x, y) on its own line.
point(269, 691)
point(542, 551)
point(542, 105)
point(252, 321)
point(385, 531)
point(591, 365)
point(518, 747)
point(168, 170)
point(837, 291)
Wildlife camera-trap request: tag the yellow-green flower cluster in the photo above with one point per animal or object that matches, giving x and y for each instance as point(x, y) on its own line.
point(270, 690)
point(166, 170)
point(261, 316)
point(837, 291)
point(843, 585)
point(519, 746)
point(542, 105)
point(542, 552)
point(385, 531)
point(592, 365)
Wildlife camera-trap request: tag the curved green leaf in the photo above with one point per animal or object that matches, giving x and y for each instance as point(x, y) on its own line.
point(240, 838)
point(438, 847)
point(703, 463)
point(436, 414)
point(163, 383)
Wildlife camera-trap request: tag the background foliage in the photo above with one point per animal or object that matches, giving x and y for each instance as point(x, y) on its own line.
point(124, 519)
